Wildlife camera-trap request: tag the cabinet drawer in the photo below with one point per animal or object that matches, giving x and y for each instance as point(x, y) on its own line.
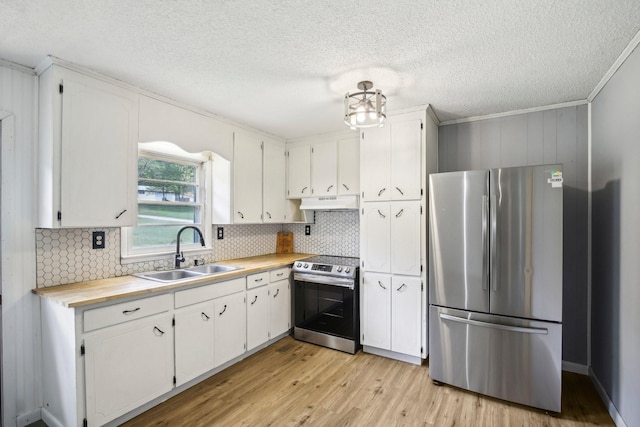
point(119, 313)
point(259, 279)
point(279, 274)
point(208, 292)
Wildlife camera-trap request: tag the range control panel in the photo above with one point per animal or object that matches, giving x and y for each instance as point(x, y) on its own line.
point(325, 269)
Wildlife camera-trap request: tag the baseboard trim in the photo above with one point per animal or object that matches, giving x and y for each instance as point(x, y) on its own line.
point(392, 355)
point(49, 419)
point(27, 418)
point(611, 408)
point(576, 368)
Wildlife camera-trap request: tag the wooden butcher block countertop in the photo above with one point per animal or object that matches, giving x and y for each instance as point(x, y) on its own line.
point(96, 291)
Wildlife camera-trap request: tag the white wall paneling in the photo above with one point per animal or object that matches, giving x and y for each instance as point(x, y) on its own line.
point(21, 371)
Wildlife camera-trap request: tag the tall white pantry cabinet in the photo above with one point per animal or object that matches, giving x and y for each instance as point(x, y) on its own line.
point(395, 162)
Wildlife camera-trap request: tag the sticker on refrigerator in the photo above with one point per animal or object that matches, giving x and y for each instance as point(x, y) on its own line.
point(556, 179)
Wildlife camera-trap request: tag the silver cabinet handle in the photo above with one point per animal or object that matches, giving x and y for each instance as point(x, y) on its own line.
point(204, 316)
point(157, 331)
point(329, 188)
point(280, 274)
point(401, 287)
point(241, 214)
point(120, 214)
point(303, 189)
point(524, 330)
point(258, 280)
point(381, 285)
point(223, 310)
point(381, 191)
point(381, 214)
point(254, 300)
point(345, 187)
point(399, 214)
point(277, 292)
point(268, 214)
point(127, 312)
point(400, 191)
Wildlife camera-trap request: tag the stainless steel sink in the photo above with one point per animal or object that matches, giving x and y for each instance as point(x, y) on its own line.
point(186, 273)
point(169, 276)
point(213, 268)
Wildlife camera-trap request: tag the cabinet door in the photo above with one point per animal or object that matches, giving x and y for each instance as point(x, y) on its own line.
point(406, 312)
point(298, 171)
point(375, 165)
point(376, 310)
point(126, 366)
point(376, 231)
point(194, 341)
point(324, 169)
point(349, 166)
point(247, 179)
point(230, 327)
point(257, 317)
point(98, 174)
point(279, 308)
point(405, 238)
point(274, 183)
point(406, 159)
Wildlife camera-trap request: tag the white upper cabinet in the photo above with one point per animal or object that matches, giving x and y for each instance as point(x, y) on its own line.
point(88, 151)
point(247, 178)
point(298, 171)
point(274, 203)
point(348, 166)
point(324, 169)
point(391, 160)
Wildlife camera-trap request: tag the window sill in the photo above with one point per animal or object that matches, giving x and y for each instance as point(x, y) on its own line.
point(164, 255)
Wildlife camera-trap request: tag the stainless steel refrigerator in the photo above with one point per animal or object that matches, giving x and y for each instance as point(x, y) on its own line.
point(495, 282)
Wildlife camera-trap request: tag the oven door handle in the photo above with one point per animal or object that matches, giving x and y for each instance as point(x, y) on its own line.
point(324, 280)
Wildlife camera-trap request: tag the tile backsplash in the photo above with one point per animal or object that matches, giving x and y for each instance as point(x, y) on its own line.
point(66, 256)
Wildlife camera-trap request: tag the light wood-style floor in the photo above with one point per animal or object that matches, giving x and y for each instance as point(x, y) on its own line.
point(292, 383)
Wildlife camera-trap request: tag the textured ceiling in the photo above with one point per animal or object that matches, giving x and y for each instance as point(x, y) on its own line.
point(283, 66)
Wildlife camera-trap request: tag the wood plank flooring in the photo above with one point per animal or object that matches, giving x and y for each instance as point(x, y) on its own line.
point(291, 383)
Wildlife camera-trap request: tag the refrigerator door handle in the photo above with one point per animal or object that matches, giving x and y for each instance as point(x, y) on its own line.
point(521, 329)
point(485, 248)
point(494, 269)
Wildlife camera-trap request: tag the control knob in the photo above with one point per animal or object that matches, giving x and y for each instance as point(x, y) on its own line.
point(306, 265)
point(347, 270)
point(299, 265)
point(339, 269)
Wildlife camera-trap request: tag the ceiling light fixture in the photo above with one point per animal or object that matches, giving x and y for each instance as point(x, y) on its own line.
point(366, 108)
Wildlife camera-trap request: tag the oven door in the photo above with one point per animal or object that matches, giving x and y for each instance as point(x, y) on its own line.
point(326, 305)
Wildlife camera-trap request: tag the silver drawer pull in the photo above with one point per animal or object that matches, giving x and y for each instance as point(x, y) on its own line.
point(223, 310)
point(127, 312)
point(381, 285)
point(525, 330)
point(258, 280)
point(158, 331)
point(254, 300)
point(280, 274)
point(204, 316)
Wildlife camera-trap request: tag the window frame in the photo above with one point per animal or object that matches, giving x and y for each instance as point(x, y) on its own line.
point(172, 153)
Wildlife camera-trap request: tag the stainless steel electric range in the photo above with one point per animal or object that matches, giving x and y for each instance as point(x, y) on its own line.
point(326, 302)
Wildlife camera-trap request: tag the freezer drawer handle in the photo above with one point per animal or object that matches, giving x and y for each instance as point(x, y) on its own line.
point(523, 330)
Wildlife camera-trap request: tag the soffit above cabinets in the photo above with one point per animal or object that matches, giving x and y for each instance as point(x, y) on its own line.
point(283, 67)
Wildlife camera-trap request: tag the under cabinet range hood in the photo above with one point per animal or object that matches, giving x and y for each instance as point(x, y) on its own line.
point(330, 203)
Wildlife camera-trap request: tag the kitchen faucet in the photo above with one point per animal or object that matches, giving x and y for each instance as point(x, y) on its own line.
point(179, 255)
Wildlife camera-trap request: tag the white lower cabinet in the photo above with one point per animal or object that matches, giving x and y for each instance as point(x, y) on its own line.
point(126, 366)
point(230, 327)
point(257, 312)
point(279, 308)
point(194, 341)
point(392, 313)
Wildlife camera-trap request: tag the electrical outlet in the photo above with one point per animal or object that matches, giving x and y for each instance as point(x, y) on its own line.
point(220, 232)
point(307, 230)
point(98, 240)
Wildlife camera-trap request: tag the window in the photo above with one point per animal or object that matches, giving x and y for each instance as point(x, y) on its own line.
point(171, 194)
